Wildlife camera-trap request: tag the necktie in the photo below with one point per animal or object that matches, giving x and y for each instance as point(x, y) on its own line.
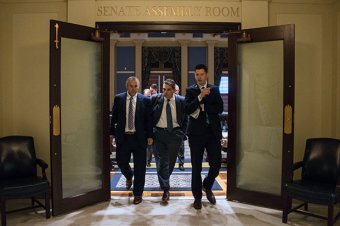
point(130, 115)
point(169, 116)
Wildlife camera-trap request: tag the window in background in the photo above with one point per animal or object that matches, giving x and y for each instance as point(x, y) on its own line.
point(224, 89)
point(196, 55)
point(125, 66)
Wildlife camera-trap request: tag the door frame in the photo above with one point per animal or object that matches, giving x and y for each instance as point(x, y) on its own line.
point(281, 32)
point(182, 27)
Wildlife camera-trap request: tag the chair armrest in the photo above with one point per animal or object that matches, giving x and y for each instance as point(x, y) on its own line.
point(43, 166)
point(297, 165)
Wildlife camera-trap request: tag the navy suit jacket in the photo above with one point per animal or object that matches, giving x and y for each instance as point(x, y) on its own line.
point(143, 121)
point(157, 102)
point(213, 105)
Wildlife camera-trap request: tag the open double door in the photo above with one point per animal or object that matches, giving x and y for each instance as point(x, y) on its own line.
point(261, 103)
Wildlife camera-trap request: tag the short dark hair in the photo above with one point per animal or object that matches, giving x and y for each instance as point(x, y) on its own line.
point(170, 82)
point(154, 86)
point(201, 66)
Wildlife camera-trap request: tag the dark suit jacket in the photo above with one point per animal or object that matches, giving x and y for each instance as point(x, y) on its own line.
point(143, 121)
point(157, 102)
point(213, 105)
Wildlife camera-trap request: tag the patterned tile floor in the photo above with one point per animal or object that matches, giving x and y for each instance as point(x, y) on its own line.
point(221, 179)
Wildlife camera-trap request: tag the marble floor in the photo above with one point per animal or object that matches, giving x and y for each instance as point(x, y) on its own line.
point(179, 211)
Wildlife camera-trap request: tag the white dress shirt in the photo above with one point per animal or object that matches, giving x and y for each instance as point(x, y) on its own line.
point(196, 113)
point(162, 123)
point(134, 101)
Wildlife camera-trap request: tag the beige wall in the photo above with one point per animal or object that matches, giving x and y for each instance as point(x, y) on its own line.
point(87, 15)
point(24, 70)
point(254, 14)
point(315, 77)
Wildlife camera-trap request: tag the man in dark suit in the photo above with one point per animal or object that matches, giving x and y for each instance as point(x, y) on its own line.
point(131, 125)
point(170, 122)
point(203, 104)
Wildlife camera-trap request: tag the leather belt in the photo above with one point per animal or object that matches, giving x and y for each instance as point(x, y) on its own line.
point(130, 133)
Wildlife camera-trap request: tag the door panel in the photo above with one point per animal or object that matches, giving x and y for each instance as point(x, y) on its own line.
point(81, 116)
point(260, 153)
point(260, 117)
point(79, 89)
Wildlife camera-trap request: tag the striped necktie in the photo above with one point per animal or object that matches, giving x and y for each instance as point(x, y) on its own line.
point(130, 115)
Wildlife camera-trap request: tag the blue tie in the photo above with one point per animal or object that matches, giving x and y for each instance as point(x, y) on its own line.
point(130, 115)
point(169, 116)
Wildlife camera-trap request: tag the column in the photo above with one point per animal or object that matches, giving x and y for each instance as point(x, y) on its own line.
point(184, 65)
point(211, 62)
point(138, 59)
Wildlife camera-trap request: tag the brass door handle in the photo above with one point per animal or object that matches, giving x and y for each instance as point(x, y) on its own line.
point(56, 120)
point(56, 40)
point(288, 122)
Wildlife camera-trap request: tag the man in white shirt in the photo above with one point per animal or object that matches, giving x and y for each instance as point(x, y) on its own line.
point(204, 103)
point(170, 122)
point(131, 126)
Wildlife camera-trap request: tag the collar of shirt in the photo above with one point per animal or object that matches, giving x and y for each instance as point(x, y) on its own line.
point(172, 98)
point(205, 85)
point(128, 96)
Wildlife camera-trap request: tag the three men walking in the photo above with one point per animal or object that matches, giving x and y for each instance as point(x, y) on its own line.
point(137, 121)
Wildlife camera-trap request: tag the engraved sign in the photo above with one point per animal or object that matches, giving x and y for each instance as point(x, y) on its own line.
point(194, 11)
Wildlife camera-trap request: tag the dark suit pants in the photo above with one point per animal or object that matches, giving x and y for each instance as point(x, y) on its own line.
point(149, 151)
point(131, 145)
point(197, 145)
point(167, 145)
point(180, 154)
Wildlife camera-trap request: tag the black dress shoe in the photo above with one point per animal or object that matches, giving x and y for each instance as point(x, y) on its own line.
point(137, 200)
point(210, 196)
point(181, 167)
point(166, 196)
point(148, 165)
point(198, 204)
point(128, 184)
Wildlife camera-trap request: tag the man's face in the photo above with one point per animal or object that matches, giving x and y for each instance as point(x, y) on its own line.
point(153, 91)
point(168, 91)
point(177, 90)
point(201, 76)
point(132, 87)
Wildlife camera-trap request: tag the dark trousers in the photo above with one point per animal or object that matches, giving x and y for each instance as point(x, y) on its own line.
point(130, 145)
point(180, 154)
point(197, 145)
point(166, 148)
point(149, 151)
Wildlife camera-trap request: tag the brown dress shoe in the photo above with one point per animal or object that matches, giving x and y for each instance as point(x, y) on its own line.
point(210, 196)
point(128, 184)
point(166, 196)
point(198, 204)
point(137, 200)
